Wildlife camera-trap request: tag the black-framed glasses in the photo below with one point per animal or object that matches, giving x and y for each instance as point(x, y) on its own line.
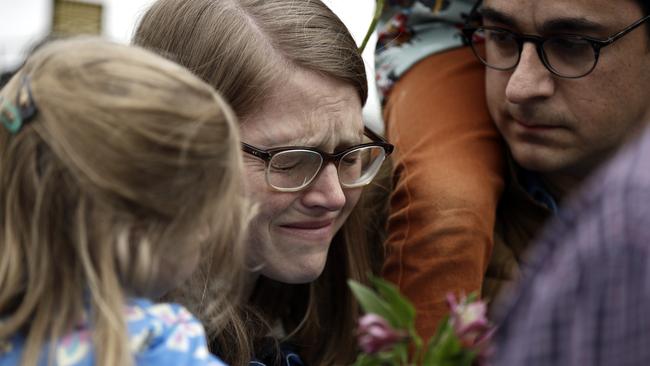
point(293, 168)
point(565, 55)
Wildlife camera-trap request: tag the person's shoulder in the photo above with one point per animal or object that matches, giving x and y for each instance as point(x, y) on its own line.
point(159, 334)
point(628, 166)
point(614, 199)
point(74, 348)
point(167, 334)
point(168, 314)
point(604, 223)
point(589, 262)
point(11, 350)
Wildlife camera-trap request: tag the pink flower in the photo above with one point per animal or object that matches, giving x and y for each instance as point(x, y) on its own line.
point(470, 324)
point(376, 335)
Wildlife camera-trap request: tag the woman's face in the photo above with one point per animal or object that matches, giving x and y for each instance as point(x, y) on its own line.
point(292, 232)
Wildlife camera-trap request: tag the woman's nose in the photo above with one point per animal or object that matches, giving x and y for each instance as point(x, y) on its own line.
point(326, 190)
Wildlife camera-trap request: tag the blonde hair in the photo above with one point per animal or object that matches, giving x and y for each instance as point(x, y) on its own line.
point(246, 49)
point(128, 160)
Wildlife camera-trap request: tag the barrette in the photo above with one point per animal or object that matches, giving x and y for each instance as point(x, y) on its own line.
point(14, 116)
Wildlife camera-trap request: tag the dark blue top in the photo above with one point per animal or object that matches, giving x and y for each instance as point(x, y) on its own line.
point(269, 357)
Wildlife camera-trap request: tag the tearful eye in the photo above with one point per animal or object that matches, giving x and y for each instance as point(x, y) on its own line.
point(351, 158)
point(280, 167)
point(286, 161)
point(292, 169)
point(291, 161)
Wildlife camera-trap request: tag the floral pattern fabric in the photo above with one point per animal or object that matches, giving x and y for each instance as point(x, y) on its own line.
point(159, 334)
point(410, 30)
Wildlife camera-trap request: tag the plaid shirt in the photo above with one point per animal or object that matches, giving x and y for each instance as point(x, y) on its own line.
point(585, 299)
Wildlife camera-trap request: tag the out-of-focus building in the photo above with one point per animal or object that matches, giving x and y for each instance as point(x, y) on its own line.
point(27, 24)
point(72, 17)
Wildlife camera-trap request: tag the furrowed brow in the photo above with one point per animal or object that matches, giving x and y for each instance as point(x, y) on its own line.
point(344, 143)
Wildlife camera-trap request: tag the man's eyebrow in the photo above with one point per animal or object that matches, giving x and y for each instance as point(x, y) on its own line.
point(558, 25)
point(496, 16)
point(571, 25)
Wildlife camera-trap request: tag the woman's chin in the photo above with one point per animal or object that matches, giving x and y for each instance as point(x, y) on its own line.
point(303, 273)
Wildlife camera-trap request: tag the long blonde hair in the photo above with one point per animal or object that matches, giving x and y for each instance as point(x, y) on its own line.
point(130, 159)
point(246, 49)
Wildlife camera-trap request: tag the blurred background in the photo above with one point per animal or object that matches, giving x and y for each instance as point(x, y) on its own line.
point(25, 23)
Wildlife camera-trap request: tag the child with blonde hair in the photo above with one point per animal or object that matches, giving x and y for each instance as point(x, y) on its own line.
point(118, 171)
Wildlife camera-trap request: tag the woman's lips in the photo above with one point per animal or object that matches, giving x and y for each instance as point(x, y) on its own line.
point(307, 225)
point(309, 229)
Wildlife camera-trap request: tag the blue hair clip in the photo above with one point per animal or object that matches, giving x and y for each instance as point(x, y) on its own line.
point(14, 116)
point(10, 116)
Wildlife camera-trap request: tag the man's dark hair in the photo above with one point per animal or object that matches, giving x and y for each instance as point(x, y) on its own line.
point(645, 8)
point(644, 4)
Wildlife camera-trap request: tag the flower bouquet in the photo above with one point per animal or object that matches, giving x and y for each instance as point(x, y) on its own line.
point(387, 334)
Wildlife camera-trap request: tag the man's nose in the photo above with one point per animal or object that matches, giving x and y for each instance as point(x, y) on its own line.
point(530, 79)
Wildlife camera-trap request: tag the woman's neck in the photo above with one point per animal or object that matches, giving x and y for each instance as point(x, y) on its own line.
point(249, 283)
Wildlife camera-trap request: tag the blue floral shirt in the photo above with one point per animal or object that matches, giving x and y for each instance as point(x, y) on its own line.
point(159, 334)
point(410, 30)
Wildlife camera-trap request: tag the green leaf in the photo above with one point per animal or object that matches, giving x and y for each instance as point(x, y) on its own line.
point(417, 344)
point(401, 352)
point(388, 357)
point(466, 358)
point(444, 350)
point(472, 297)
point(366, 360)
point(372, 303)
point(443, 326)
point(401, 306)
point(430, 355)
point(451, 347)
point(379, 7)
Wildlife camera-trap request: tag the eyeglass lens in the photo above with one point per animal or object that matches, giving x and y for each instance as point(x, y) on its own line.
point(295, 169)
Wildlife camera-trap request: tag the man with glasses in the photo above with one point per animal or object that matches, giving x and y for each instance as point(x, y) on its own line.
point(566, 84)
